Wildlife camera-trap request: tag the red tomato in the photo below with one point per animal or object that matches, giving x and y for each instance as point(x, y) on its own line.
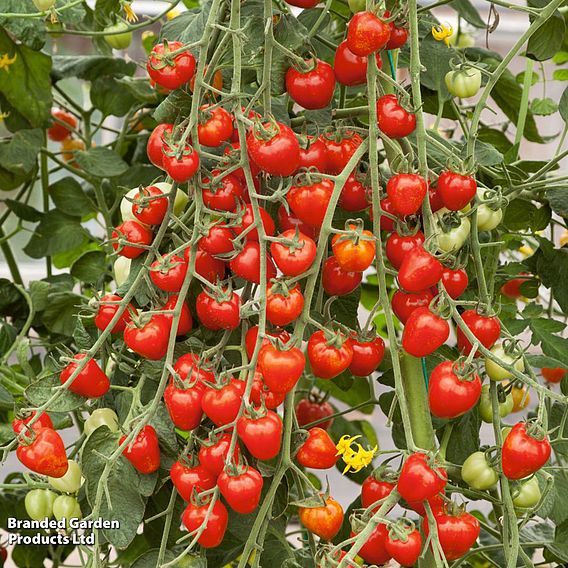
point(523, 452)
point(450, 395)
point(167, 71)
point(424, 332)
point(20, 423)
point(455, 282)
point(354, 254)
point(262, 435)
point(247, 263)
point(337, 282)
point(149, 339)
point(456, 533)
point(144, 451)
point(168, 273)
point(91, 382)
point(217, 517)
point(367, 356)
point(311, 89)
point(185, 322)
point(252, 337)
point(191, 370)
point(59, 132)
point(398, 36)
point(398, 246)
point(329, 358)
point(308, 411)
point(295, 258)
point(242, 489)
point(374, 490)
point(260, 393)
point(210, 268)
point(215, 126)
point(223, 195)
point(318, 451)
point(313, 155)
point(407, 552)
point(436, 503)
point(353, 195)
point(340, 149)
point(157, 142)
point(403, 304)
point(186, 479)
point(393, 120)
point(106, 312)
point(434, 198)
point(181, 169)
point(43, 452)
point(374, 551)
point(233, 156)
point(367, 33)
point(419, 270)
point(310, 202)
point(455, 190)
point(512, 288)
point(553, 375)
point(217, 240)
point(324, 521)
point(287, 221)
point(278, 155)
point(351, 69)
point(150, 205)
point(282, 308)
point(303, 3)
point(281, 370)
point(387, 224)
point(183, 402)
point(219, 312)
point(486, 329)
point(212, 455)
point(418, 481)
point(247, 218)
point(222, 405)
point(135, 234)
point(406, 193)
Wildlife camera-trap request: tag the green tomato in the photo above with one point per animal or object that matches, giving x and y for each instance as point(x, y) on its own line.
point(121, 270)
point(357, 5)
point(120, 40)
point(463, 83)
point(462, 40)
point(101, 417)
point(70, 482)
point(485, 409)
point(179, 203)
point(497, 373)
point(454, 239)
point(487, 218)
point(44, 5)
point(66, 507)
point(54, 29)
point(527, 495)
point(39, 503)
point(477, 473)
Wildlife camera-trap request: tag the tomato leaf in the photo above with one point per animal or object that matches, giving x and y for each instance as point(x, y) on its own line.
point(89, 67)
point(101, 162)
point(41, 391)
point(548, 39)
point(70, 198)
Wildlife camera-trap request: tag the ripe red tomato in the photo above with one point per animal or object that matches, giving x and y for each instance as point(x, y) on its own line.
point(318, 451)
point(186, 478)
point(393, 120)
point(167, 71)
point(398, 36)
point(252, 337)
point(486, 329)
point(241, 489)
point(181, 169)
point(340, 149)
point(418, 481)
point(336, 281)
point(455, 281)
point(450, 395)
point(246, 219)
point(185, 322)
point(134, 233)
point(310, 202)
point(215, 126)
point(20, 422)
point(260, 393)
point(191, 370)
point(329, 357)
point(247, 263)
point(524, 452)
point(281, 370)
point(313, 154)
point(106, 312)
point(407, 552)
point(219, 312)
point(43, 452)
point(295, 258)
point(367, 356)
point(261, 435)
point(367, 33)
point(375, 489)
point(351, 69)
point(278, 155)
point(386, 223)
point(456, 533)
point(406, 193)
point(148, 207)
point(353, 195)
point(144, 451)
point(168, 273)
point(59, 132)
point(150, 338)
point(283, 308)
point(434, 198)
point(223, 195)
point(217, 240)
point(232, 155)
point(403, 304)
point(222, 405)
point(213, 454)
point(512, 288)
point(303, 3)
point(157, 142)
point(324, 521)
point(217, 517)
point(424, 332)
point(374, 550)
point(287, 221)
point(210, 268)
point(354, 254)
point(456, 190)
point(308, 411)
point(436, 503)
point(311, 89)
point(553, 375)
point(398, 246)
point(183, 402)
point(91, 382)
point(419, 270)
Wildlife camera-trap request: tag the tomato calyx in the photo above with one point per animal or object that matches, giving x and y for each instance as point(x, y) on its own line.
point(160, 61)
point(265, 129)
point(178, 149)
point(464, 369)
point(354, 231)
point(166, 263)
point(535, 429)
point(492, 198)
point(338, 134)
point(401, 529)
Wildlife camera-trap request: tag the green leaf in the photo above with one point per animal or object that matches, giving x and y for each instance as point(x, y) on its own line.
point(521, 214)
point(188, 26)
point(20, 154)
point(23, 211)
point(563, 105)
point(89, 67)
point(111, 97)
point(464, 439)
point(90, 266)
point(520, 78)
point(356, 390)
point(552, 345)
point(60, 315)
point(150, 559)
point(560, 545)
point(560, 57)
point(344, 309)
point(435, 57)
point(41, 391)
point(548, 39)
point(8, 334)
point(560, 75)
point(29, 555)
point(176, 103)
point(543, 107)
point(558, 200)
point(467, 11)
point(485, 154)
point(101, 162)
point(70, 198)
point(30, 31)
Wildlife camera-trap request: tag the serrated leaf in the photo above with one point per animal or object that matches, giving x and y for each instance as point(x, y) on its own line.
point(101, 162)
point(70, 198)
point(41, 391)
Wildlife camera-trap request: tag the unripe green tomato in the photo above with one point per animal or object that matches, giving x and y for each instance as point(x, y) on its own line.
point(528, 494)
point(487, 218)
point(477, 473)
point(463, 83)
point(118, 41)
point(179, 203)
point(70, 482)
point(497, 373)
point(485, 409)
point(39, 503)
point(101, 417)
point(462, 40)
point(66, 507)
point(44, 5)
point(357, 5)
point(454, 239)
point(121, 270)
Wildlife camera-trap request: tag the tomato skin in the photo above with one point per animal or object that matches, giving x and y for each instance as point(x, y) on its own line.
point(406, 193)
point(353, 195)
point(186, 478)
point(436, 503)
point(324, 522)
point(184, 168)
point(101, 417)
point(336, 281)
point(106, 312)
point(184, 405)
point(497, 373)
point(218, 240)
point(418, 481)
point(144, 453)
point(403, 304)
point(247, 263)
point(354, 255)
point(367, 356)
point(374, 550)
point(262, 436)
point(261, 393)
point(405, 553)
point(278, 156)
point(216, 129)
point(326, 360)
point(170, 76)
point(59, 132)
point(168, 273)
point(135, 233)
point(351, 69)
point(281, 370)
point(222, 405)
point(487, 218)
point(485, 407)
point(118, 41)
point(512, 288)
point(339, 152)
point(205, 265)
point(455, 282)
point(397, 246)
point(150, 340)
point(152, 212)
point(374, 490)
point(212, 457)
point(456, 533)
point(218, 314)
point(313, 155)
point(303, 3)
point(43, 452)
point(313, 89)
point(386, 223)
point(242, 492)
point(456, 190)
point(185, 322)
point(553, 375)
point(39, 504)
point(233, 153)
point(290, 260)
point(486, 329)
point(194, 516)
point(366, 33)
point(424, 332)
point(155, 146)
point(463, 83)
point(91, 382)
point(287, 221)
point(66, 507)
point(44, 421)
point(70, 482)
point(225, 195)
point(392, 119)
point(282, 310)
point(527, 495)
point(248, 219)
point(310, 202)
point(450, 396)
point(434, 198)
point(477, 473)
point(252, 337)
point(398, 36)
point(419, 270)
point(522, 455)
point(308, 411)
point(318, 451)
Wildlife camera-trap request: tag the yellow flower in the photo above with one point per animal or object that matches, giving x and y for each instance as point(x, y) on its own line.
point(344, 444)
point(130, 13)
point(4, 115)
point(525, 250)
point(564, 238)
point(6, 61)
point(443, 33)
point(359, 459)
point(173, 14)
